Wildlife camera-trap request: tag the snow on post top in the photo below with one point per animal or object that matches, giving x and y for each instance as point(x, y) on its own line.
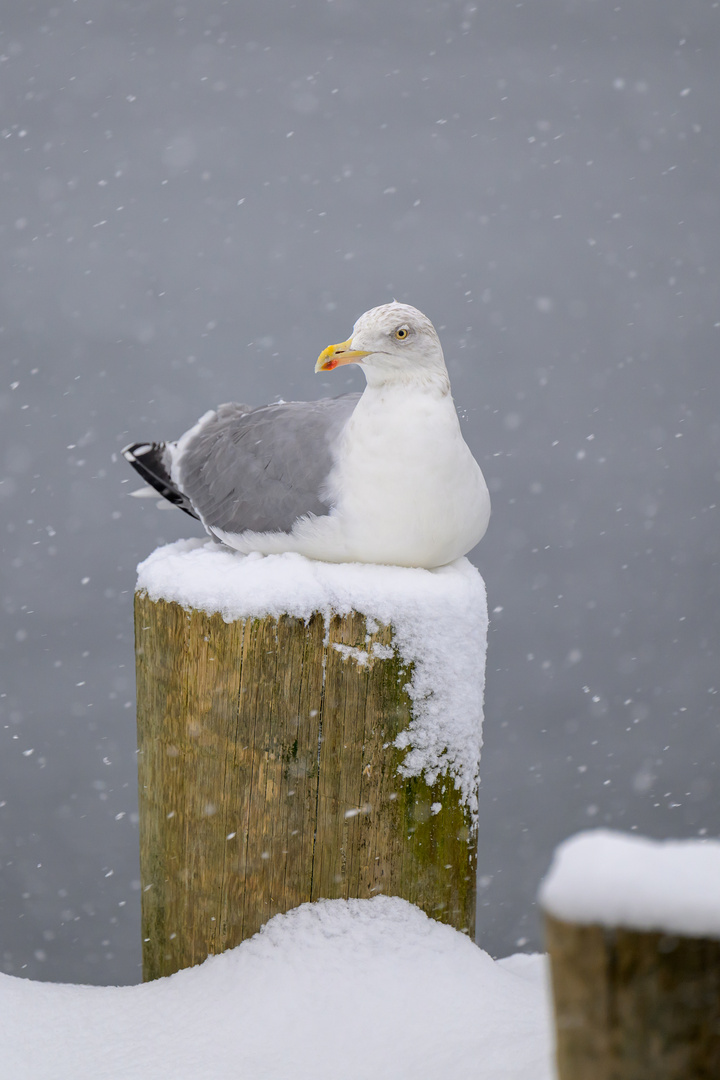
point(439, 620)
point(615, 879)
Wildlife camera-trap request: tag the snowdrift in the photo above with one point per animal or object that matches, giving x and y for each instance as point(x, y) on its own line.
point(335, 990)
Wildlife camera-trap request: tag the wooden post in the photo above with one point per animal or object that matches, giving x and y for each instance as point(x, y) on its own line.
point(633, 933)
point(268, 777)
point(633, 1005)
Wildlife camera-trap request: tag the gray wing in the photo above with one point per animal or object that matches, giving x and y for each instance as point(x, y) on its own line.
point(262, 469)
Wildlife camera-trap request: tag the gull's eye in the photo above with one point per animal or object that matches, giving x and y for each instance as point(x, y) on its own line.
point(402, 332)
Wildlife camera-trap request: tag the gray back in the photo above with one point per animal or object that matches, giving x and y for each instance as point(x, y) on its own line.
point(263, 468)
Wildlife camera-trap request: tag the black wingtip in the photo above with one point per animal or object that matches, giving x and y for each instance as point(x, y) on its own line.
point(133, 451)
point(148, 460)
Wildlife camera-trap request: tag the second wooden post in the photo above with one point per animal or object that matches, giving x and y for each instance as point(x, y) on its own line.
point(633, 934)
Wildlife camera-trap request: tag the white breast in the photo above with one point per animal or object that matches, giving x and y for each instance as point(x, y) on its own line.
point(405, 489)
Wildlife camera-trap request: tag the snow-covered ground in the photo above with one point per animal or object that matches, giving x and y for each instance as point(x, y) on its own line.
point(335, 990)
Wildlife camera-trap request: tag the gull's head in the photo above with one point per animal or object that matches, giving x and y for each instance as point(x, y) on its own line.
point(392, 343)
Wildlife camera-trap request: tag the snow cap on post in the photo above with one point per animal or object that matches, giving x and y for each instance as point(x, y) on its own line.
point(615, 879)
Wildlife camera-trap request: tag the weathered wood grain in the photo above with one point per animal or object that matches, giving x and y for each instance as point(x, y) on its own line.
point(631, 1005)
point(268, 778)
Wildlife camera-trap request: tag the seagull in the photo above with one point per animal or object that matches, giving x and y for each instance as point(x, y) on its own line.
point(379, 477)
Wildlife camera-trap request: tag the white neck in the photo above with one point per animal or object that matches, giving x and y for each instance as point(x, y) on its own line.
point(434, 382)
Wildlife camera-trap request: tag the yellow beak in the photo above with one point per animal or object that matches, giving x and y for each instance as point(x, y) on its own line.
point(335, 355)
